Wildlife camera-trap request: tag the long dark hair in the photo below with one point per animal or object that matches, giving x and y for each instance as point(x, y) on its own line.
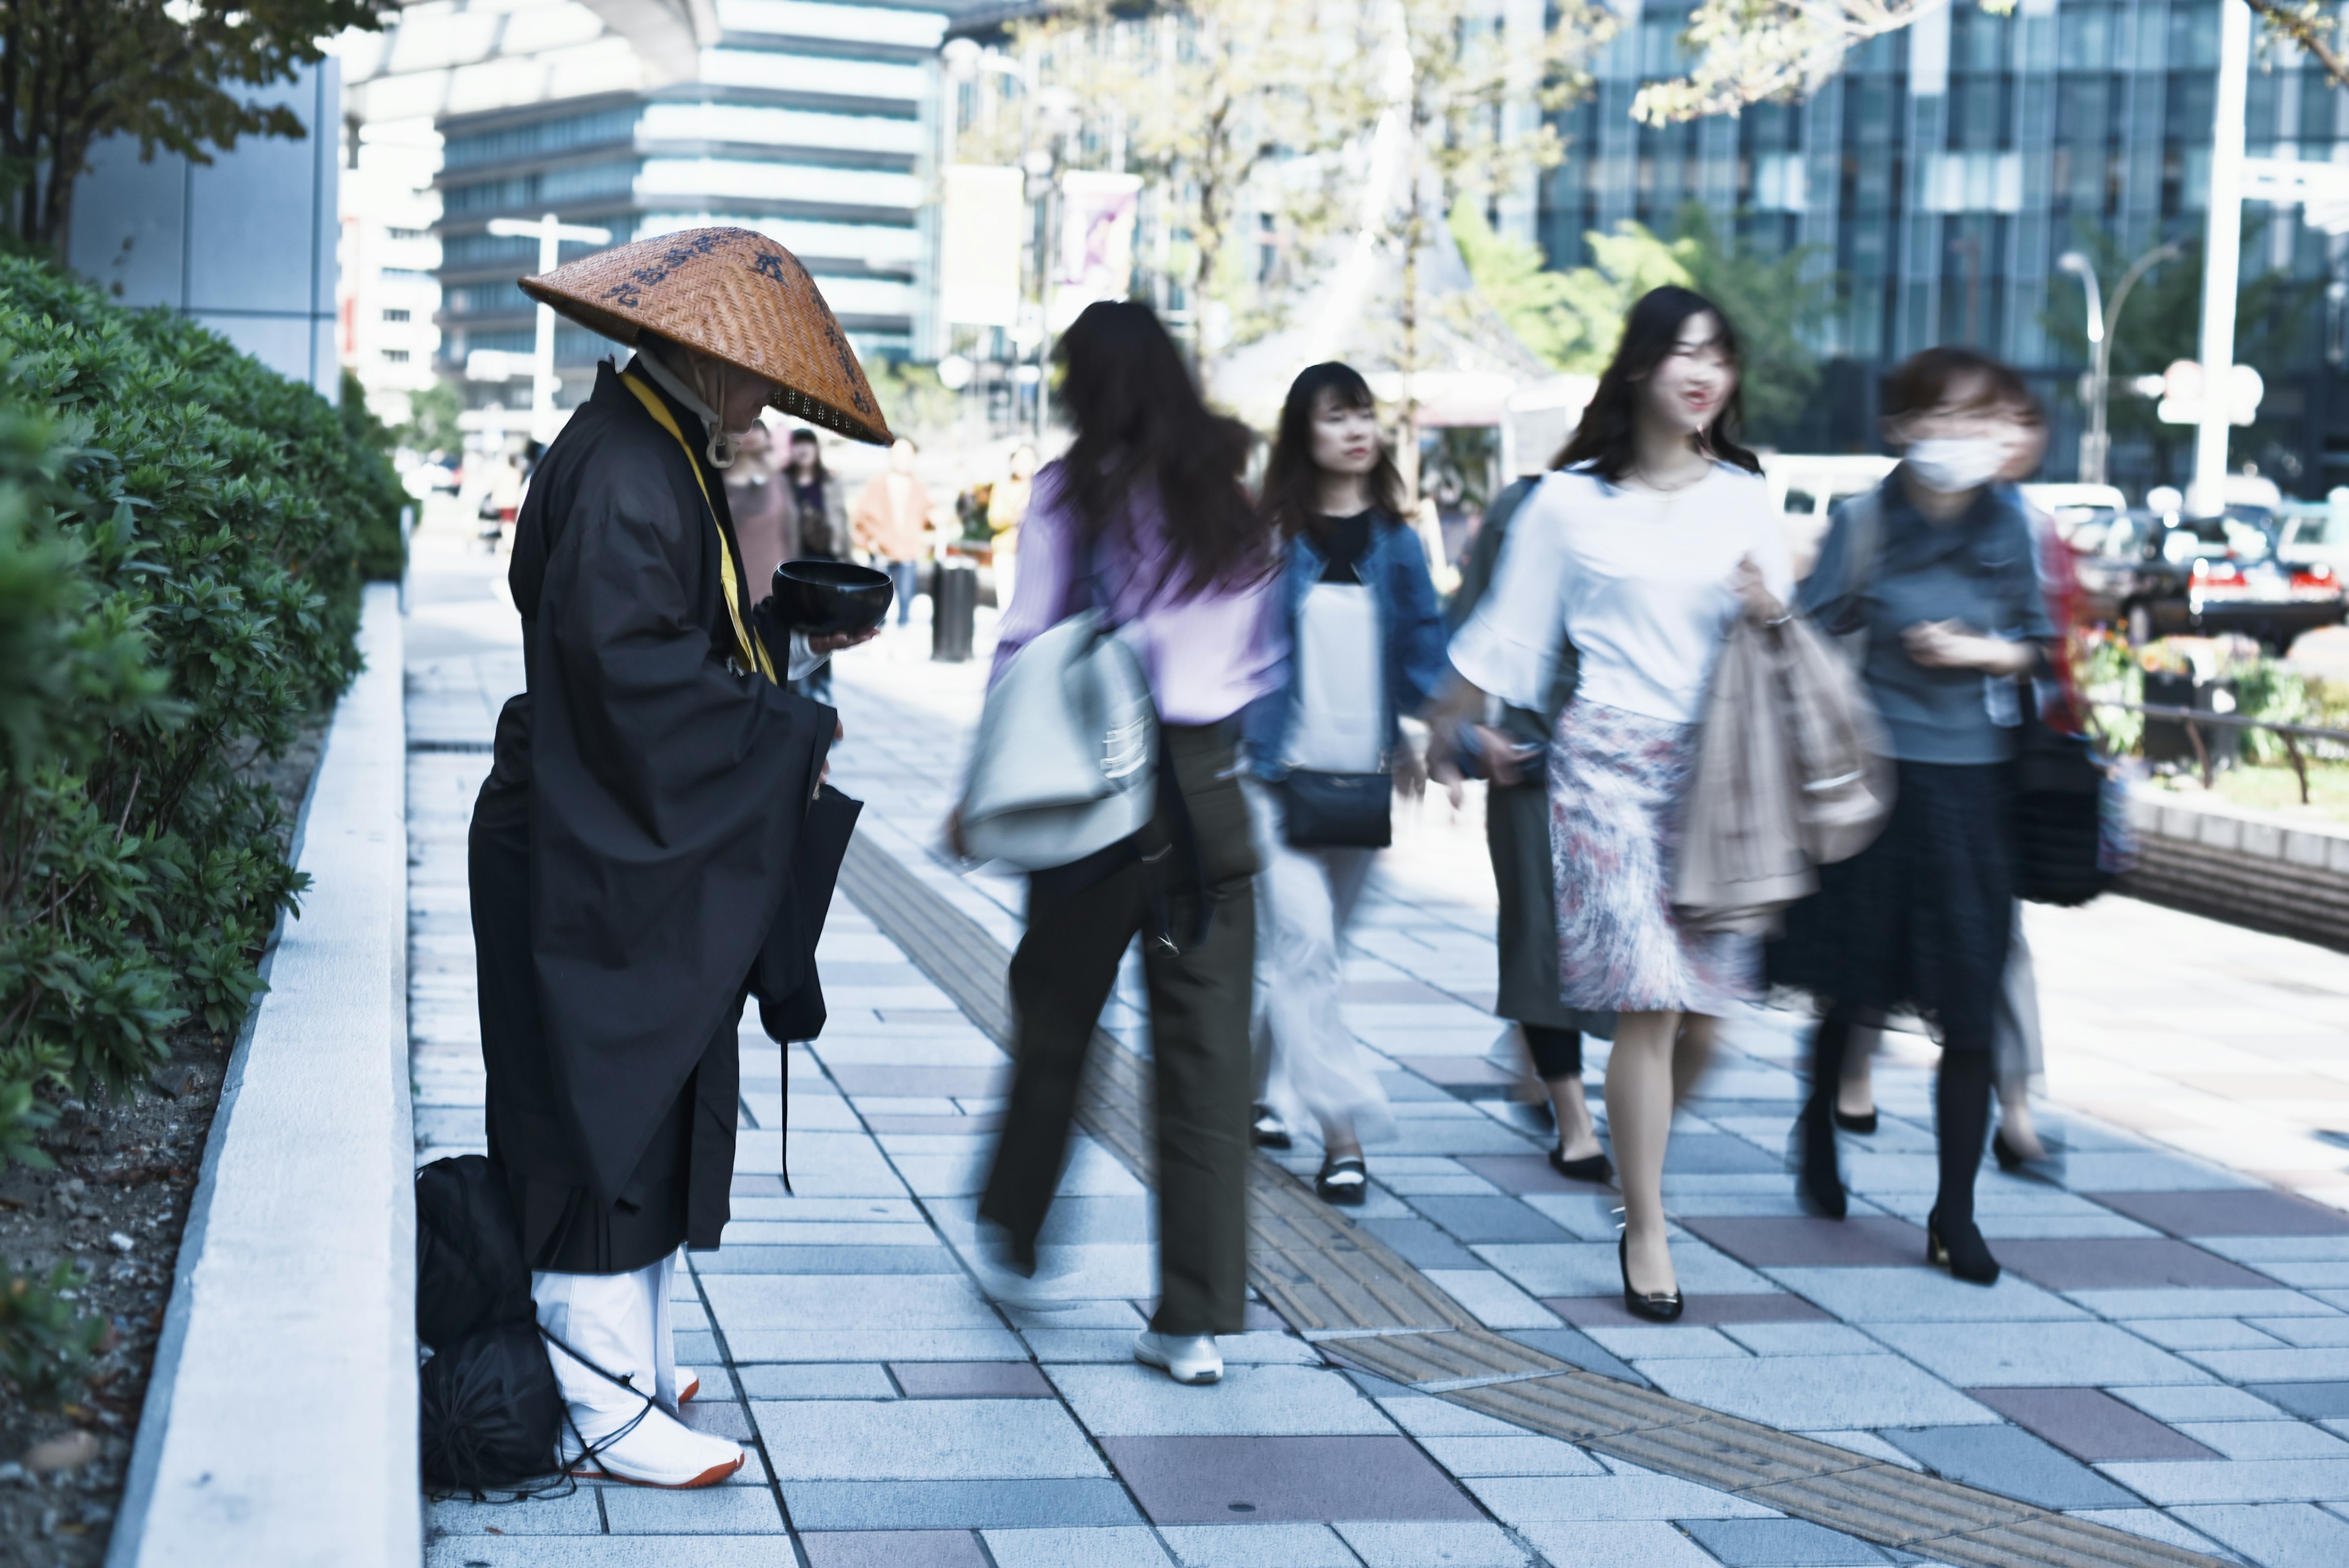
point(1140, 423)
point(1292, 481)
point(821, 474)
point(1604, 439)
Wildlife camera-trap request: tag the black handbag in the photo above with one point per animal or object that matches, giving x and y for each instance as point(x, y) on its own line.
point(2060, 784)
point(1337, 810)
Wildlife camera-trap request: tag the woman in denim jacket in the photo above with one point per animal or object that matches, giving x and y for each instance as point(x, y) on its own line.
point(1365, 645)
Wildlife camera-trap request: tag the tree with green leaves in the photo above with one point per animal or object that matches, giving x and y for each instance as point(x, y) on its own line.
point(164, 71)
point(1573, 318)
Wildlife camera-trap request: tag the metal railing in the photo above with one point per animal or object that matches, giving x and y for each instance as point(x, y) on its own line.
point(2193, 718)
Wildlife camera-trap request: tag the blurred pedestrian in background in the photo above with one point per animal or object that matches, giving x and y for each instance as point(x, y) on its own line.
point(1365, 647)
point(1641, 554)
point(1007, 508)
point(1936, 569)
point(762, 508)
point(819, 514)
point(893, 524)
point(1507, 752)
point(1145, 520)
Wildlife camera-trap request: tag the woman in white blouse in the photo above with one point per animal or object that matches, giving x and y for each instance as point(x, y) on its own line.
point(1641, 551)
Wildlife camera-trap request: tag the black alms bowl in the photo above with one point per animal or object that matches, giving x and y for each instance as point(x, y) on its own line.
point(828, 598)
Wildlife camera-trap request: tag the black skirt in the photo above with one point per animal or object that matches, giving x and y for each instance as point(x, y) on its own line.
point(1921, 920)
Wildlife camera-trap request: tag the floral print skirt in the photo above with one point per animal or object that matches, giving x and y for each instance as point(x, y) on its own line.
point(1618, 780)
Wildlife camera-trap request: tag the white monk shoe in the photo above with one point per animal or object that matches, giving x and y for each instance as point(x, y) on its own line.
point(1186, 1358)
point(689, 1385)
point(663, 1452)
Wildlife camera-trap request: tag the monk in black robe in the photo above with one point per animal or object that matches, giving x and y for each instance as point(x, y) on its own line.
point(634, 848)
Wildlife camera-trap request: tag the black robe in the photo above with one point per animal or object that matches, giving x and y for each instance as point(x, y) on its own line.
point(633, 848)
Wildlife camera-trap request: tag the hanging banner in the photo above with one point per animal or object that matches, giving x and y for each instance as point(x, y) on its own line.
point(1096, 251)
point(979, 245)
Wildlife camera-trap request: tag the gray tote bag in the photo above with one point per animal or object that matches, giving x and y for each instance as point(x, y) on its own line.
point(1065, 762)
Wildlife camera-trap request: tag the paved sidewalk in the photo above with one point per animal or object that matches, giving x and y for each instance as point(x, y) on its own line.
point(2169, 1353)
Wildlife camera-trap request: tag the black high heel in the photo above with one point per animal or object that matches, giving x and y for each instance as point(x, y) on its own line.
point(1656, 1309)
point(2009, 1157)
point(1818, 1182)
point(1863, 1125)
point(1593, 1167)
point(1963, 1252)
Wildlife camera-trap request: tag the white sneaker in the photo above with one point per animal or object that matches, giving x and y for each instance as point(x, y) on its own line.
point(689, 1384)
point(662, 1451)
point(1186, 1358)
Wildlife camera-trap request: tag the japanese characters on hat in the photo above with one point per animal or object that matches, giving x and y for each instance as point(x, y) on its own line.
point(734, 295)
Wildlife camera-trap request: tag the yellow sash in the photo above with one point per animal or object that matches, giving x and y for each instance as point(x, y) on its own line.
point(752, 648)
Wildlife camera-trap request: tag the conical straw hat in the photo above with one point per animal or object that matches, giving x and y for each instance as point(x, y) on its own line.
point(737, 296)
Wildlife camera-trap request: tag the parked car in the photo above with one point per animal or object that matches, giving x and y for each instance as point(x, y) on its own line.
point(2154, 574)
point(2316, 532)
point(2072, 505)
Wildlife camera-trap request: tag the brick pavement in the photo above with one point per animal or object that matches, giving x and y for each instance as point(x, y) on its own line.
point(2169, 1352)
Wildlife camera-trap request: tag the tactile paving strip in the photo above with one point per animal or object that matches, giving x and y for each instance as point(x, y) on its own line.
point(1363, 1306)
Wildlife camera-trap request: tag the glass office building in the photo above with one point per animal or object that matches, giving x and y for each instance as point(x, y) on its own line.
point(805, 120)
point(1939, 176)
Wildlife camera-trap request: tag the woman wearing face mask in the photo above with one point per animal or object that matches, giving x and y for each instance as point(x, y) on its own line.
point(1936, 570)
point(1642, 554)
point(1365, 647)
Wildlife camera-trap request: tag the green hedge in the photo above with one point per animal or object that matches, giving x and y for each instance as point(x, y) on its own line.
point(182, 537)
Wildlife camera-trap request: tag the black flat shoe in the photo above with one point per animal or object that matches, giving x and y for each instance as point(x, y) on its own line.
point(1593, 1167)
point(1657, 1308)
point(1963, 1252)
point(2009, 1157)
point(1863, 1125)
point(1267, 1132)
point(1345, 1182)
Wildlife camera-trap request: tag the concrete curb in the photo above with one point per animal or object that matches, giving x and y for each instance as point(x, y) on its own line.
point(280, 1422)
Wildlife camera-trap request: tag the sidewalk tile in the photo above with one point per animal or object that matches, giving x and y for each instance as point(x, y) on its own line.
point(1647, 1544)
point(2010, 1462)
point(1521, 1501)
point(1251, 1401)
point(1258, 1546)
point(573, 1515)
point(1593, 1216)
point(1590, 1268)
point(2203, 1333)
point(1472, 1219)
point(2115, 1264)
point(2236, 1480)
point(1203, 1480)
point(894, 1549)
point(1811, 1392)
point(737, 1259)
point(817, 1380)
point(2019, 1355)
point(1718, 1154)
point(724, 1418)
point(1463, 1545)
point(2106, 1176)
point(1609, 1310)
point(2274, 1366)
point(2290, 1535)
point(2268, 1302)
point(712, 1510)
point(1867, 1445)
point(1128, 1547)
point(604, 1552)
point(2090, 1424)
point(1424, 1245)
point(2149, 1522)
point(1523, 1173)
point(916, 1439)
point(1424, 1416)
point(1524, 1455)
point(1761, 1242)
point(2317, 1401)
point(1782, 1543)
point(1800, 1338)
point(1491, 1299)
point(1676, 1340)
point(954, 1504)
point(1918, 1295)
point(2205, 1402)
point(2267, 1439)
point(970, 1380)
point(869, 1302)
point(2260, 1251)
point(855, 1344)
point(2257, 1212)
point(1576, 1348)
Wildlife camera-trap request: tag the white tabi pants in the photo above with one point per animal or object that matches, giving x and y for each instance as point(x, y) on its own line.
point(1307, 1063)
point(621, 1323)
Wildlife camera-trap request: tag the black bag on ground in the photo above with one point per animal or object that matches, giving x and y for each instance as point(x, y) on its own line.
point(489, 1409)
point(470, 1272)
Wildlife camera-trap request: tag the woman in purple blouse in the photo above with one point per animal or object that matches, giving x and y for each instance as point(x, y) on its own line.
point(1146, 517)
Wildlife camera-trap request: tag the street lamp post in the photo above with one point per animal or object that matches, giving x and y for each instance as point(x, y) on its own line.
point(550, 234)
point(2221, 255)
point(2095, 446)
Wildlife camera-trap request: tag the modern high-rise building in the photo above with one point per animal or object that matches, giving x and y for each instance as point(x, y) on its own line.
point(809, 120)
point(1941, 174)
